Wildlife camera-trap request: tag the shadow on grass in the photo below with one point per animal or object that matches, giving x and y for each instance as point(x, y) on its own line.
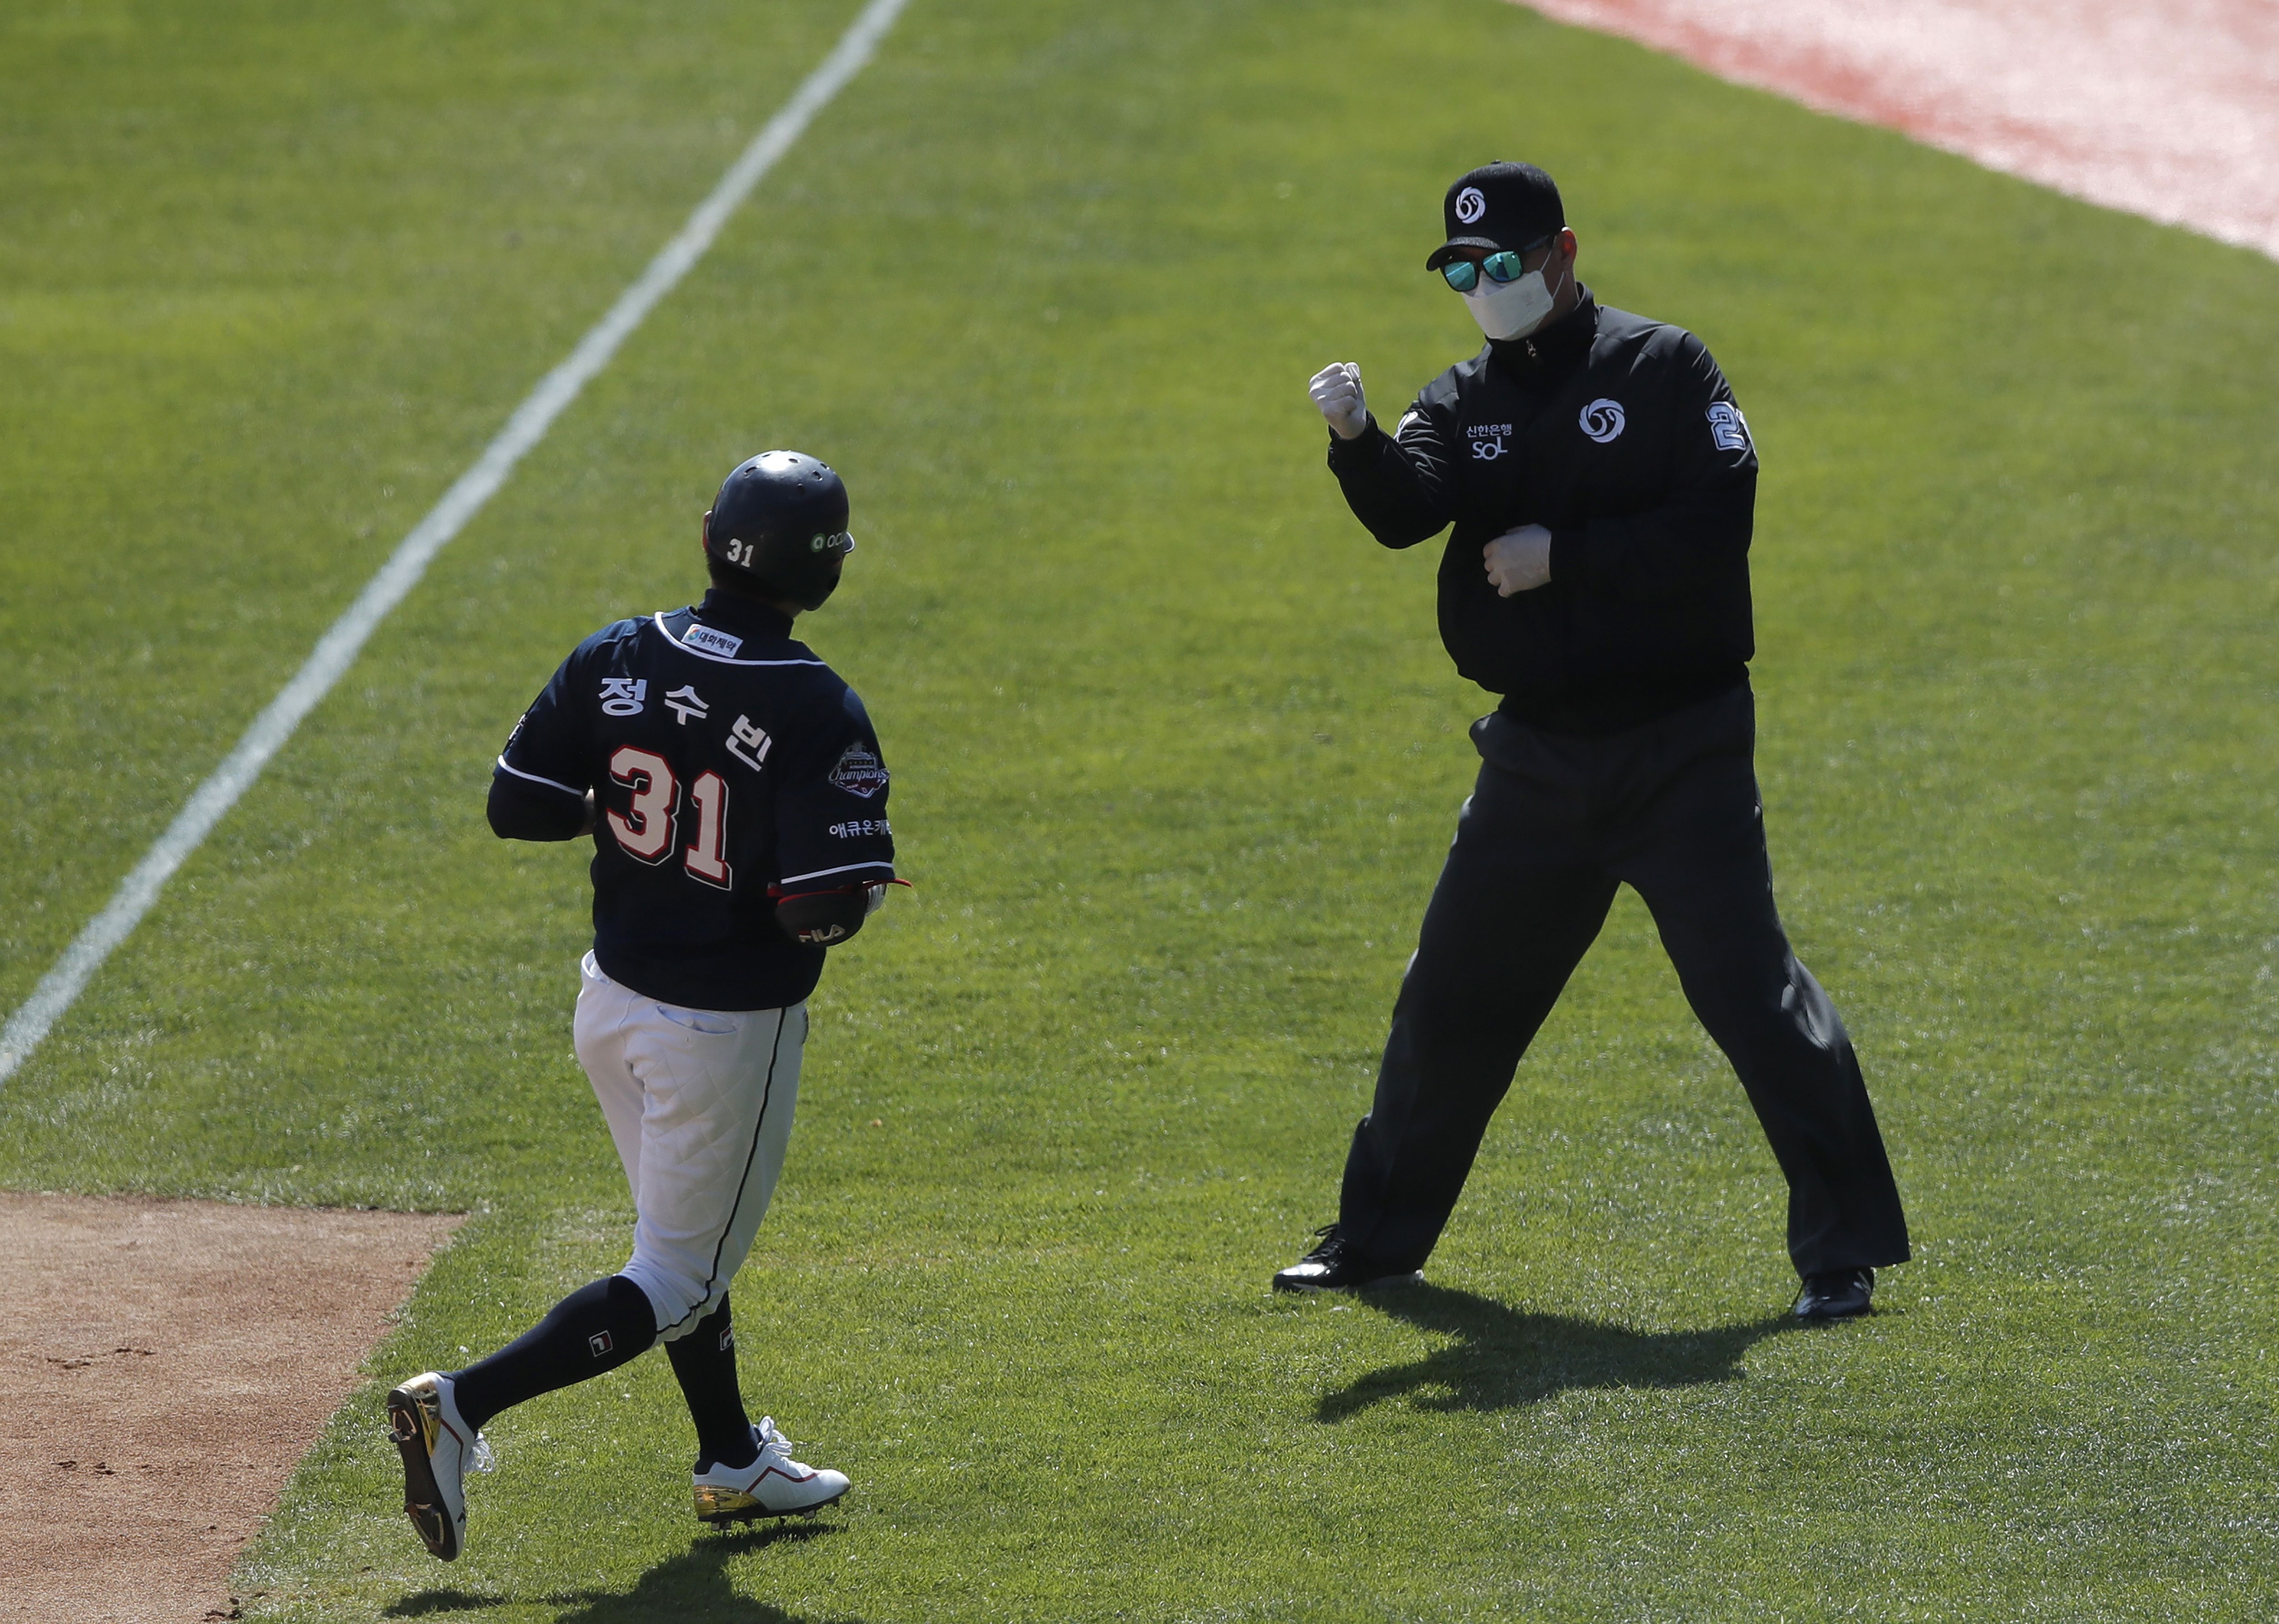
point(1503, 1360)
point(427, 1604)
point(692, 1586)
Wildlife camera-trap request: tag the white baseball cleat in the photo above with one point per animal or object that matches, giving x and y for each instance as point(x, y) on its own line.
point(774, 1485)
point(439, 1449)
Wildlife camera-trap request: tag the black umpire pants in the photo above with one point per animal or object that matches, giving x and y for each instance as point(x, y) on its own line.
point(1554, 824)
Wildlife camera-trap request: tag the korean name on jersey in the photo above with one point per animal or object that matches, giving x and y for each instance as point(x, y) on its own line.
point(731, 768)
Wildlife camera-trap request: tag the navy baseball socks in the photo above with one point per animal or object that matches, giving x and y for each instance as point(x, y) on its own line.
point(705, 1364)
point(593, 1330)
point(743, 1471)
point(588, 1333)
point(436, 1421)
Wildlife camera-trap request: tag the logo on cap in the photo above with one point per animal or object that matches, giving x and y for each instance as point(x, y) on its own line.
point(1470, 205)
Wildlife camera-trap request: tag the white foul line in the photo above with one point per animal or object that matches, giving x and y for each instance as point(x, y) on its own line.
point(337, 649)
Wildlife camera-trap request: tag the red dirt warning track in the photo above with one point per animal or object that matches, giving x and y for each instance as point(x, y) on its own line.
point(163, 1364)
point(2167, 108)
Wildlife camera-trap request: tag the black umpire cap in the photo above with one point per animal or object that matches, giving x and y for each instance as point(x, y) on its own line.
point(1499, 206)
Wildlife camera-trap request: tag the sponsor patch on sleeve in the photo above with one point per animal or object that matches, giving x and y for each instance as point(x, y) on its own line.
point(1728, 429)
point(859, 771)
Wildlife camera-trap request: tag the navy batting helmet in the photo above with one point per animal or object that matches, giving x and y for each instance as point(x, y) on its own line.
point(780, 519)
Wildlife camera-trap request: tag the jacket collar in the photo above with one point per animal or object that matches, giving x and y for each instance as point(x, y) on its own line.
point(1555, 349)
point(731, 612)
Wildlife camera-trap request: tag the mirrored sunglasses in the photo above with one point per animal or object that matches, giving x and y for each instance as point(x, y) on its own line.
point(1464, 274)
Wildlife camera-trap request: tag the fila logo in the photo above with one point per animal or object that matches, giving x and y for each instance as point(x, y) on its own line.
point(1602, 420)
point(600, 1343)
point(1470, 205)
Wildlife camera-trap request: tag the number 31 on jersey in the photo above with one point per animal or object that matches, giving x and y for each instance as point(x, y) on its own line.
point(646, 832)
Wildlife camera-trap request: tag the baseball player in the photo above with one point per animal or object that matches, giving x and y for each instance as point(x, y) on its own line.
point(737, 800)
point(1601, 482)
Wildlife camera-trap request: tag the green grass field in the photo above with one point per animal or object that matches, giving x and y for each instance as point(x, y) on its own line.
point(1176, 753)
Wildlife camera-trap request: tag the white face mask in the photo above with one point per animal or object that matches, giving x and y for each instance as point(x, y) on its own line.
point(1510, 310)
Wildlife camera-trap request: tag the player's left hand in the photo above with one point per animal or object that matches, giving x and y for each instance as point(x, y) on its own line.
point(1519, 560)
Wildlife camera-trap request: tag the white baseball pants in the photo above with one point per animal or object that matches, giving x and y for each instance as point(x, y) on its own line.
point(699, 1102)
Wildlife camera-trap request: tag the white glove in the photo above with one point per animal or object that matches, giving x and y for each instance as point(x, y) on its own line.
point(1336, 389)
point(1519, 560)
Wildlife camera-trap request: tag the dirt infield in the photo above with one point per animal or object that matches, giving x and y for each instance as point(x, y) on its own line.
point(2166, 108)
point(163, 1366)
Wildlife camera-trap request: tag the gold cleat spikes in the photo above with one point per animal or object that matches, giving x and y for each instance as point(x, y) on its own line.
point(415, 1413)
point(719, 1505)
point(437, 1454)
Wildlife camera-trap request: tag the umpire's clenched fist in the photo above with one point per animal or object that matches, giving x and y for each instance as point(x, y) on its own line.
point(1336, 389)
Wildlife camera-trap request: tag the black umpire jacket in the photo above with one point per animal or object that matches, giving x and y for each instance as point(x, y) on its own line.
point(1620, 436)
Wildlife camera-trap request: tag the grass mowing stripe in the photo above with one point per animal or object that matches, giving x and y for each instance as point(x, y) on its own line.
point(337, 649)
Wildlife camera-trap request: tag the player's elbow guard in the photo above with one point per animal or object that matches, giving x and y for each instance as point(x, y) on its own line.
point(824, 918)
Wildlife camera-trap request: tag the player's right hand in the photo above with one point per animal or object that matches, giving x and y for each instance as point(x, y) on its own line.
point(1336, 389)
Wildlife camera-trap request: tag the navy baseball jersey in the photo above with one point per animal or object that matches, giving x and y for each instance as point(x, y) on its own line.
point(731, 768)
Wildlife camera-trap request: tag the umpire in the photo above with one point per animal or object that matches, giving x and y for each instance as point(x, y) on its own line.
point(1601, 482)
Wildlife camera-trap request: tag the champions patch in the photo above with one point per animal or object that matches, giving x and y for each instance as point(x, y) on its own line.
point(711, 641)
point(859, 771)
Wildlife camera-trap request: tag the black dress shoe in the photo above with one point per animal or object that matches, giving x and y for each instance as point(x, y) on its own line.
point(1334, 1266)
point(1838, 1294)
